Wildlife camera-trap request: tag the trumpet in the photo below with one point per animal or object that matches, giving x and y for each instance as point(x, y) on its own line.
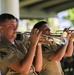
point(46, 37)
point(66, 29)
point(55, 35)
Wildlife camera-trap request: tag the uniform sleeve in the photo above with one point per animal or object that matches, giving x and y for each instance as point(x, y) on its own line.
point(7, 56)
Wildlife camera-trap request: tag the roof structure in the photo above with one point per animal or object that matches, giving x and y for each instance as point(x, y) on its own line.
point(43, 8)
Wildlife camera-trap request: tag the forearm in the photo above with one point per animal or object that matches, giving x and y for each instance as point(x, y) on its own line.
point(28, 60)
point(38, 59)
point(58, 55)
point(69, 50)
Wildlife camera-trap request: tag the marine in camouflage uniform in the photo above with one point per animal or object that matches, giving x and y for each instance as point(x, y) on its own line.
point(52, 53)
point(15, 58)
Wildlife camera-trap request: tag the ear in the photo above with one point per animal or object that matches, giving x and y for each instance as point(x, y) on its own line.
point(1, 27)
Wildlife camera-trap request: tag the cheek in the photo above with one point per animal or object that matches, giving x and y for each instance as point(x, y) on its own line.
point(46, 32)
point(9, 33)
point(7, 30)
point(12, 35)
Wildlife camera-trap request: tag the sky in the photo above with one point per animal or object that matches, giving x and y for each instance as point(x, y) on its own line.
point(63, 23)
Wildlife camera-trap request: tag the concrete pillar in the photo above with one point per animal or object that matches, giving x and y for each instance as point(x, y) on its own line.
point(0, 6)
point(10, 6)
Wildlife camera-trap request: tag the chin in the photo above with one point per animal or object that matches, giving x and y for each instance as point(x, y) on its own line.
point(13, 37)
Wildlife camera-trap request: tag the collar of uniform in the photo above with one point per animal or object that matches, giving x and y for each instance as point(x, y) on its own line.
point(5, 41)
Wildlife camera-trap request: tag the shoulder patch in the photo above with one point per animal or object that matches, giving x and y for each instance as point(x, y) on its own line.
point(2, 54)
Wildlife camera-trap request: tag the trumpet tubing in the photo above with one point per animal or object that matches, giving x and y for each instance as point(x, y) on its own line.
point(58, 37)
point(45, 37)
point(61, 31)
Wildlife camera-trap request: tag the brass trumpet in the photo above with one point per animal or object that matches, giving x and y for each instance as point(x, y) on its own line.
point(66, 29)
point(57, 37)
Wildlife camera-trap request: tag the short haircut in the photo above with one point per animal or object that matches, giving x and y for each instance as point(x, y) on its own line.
point(5, 16)
point(39, 24)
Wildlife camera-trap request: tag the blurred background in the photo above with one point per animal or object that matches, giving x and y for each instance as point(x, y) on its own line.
point(58, 13)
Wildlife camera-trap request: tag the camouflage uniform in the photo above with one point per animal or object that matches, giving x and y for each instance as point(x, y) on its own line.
point(9, 53)
point(50, 67)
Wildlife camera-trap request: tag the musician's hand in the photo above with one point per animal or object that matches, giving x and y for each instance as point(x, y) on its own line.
point(35, 36)
point(41, 40)
point(66, 30)
point(72, 36)
point(69, 34)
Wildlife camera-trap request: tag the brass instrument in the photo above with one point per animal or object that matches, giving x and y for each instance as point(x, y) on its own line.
point(66, 29)
point(49, 41)
point(60, 34)
point(62, 31)
point(52, 35)
point(46, 38)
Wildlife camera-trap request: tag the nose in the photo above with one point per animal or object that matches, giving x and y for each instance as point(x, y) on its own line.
point(47, 31)
point(14, 28)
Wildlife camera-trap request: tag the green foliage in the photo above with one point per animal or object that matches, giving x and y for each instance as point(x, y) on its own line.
point(70, 15)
